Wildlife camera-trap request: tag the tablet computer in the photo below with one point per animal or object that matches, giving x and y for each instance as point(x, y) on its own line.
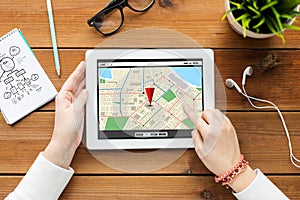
point(136, 96)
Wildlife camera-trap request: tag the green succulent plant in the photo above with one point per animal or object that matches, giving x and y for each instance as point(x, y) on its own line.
point(264, 16)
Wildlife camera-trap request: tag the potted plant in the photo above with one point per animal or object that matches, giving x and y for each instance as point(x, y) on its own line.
point(262, 18)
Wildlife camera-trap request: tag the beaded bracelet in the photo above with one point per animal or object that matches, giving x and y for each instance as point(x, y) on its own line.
point(229, 176)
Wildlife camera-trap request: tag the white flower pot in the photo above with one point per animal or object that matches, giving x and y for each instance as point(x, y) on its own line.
point(239, 29)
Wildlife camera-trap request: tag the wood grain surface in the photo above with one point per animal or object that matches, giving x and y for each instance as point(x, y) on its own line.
point(199, 20)
point(183, 23)
point(149, 187)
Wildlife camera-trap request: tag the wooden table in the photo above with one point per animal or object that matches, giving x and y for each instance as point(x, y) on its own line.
point(261, 135)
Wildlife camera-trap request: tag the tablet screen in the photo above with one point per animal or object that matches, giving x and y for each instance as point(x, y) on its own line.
point(144, 99)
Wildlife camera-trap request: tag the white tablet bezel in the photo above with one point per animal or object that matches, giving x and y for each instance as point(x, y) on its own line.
point(91, 138)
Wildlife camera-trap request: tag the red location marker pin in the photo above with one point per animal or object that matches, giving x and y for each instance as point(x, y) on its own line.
point(150, 92)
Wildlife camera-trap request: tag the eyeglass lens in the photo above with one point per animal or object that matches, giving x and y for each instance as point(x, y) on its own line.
point(139, 5)
point(109, 22)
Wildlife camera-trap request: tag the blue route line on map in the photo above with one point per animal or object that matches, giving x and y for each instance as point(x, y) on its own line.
point(122, 90)
point(143, 83)
point(149, 81)
point(164, 93)
point(159, 87)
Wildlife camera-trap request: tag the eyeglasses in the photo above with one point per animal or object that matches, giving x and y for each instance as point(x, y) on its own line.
point(110, 19)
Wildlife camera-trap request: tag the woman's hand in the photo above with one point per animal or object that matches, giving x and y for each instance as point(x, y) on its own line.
point(215, 140)
point(69, 119)
point(217, 145)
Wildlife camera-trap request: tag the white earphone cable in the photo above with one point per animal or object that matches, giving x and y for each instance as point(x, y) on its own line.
point(292, 157)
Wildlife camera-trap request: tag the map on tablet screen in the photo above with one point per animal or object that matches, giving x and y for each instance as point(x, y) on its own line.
point(148, 97)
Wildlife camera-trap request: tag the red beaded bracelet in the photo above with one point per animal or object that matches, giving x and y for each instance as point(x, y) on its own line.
point(229, 176)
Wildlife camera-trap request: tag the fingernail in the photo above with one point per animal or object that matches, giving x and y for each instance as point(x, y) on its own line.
point(86, 92)
point(187, 109)
point(82, 63)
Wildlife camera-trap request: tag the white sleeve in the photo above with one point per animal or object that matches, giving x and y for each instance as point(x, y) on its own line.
point(261, 188)
point(44, 180)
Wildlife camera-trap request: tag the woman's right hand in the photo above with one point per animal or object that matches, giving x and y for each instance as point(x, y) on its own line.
point(216, 144)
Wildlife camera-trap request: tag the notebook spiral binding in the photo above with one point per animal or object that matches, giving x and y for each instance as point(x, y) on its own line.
point(8, 34)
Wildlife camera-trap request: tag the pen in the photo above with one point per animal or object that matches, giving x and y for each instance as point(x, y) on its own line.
point(53, 37)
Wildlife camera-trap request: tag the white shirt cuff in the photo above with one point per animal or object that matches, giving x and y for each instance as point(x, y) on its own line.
point(44, 180)
point(261, 188)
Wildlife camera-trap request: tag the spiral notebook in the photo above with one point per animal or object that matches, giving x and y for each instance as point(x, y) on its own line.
point(24, 85)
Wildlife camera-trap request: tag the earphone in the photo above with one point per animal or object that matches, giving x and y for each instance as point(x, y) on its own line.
point(248, 72)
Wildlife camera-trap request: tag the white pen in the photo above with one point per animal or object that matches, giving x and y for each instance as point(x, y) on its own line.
point(53, 36)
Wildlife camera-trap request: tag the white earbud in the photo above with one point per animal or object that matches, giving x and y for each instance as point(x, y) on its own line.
point(231, 83)
point(247, 72)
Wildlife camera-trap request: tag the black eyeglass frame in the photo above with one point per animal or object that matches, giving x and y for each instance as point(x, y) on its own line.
point(114, 4)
